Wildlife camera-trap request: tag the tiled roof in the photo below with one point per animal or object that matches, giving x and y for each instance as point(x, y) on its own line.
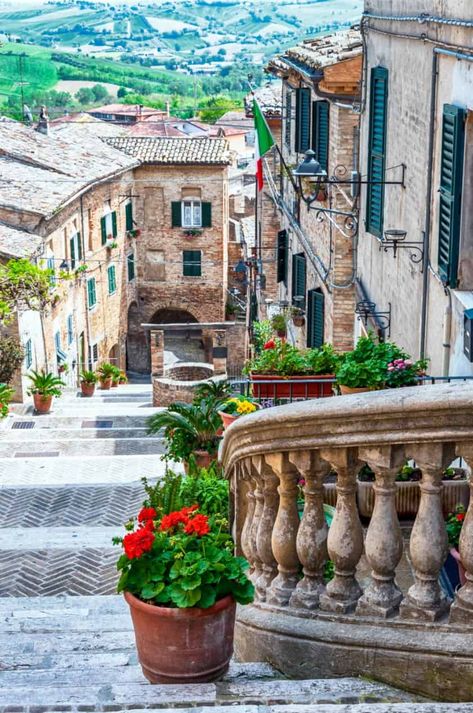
point(174, 151)
point(40, 173)
point(18, 243)
point(322, 51)
point(269, 99)
point(126, 110)
point(89, 123)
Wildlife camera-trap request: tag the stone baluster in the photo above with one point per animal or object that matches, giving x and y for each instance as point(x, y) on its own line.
point(254, 527)
point(264, 547)
point(313, 530)
point(462, 608)
point(246, 544)
point(285, 530)
point(345, 538)
point(428, 544)
point(383, 545)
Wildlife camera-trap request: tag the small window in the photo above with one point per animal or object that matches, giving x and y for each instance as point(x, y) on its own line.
point(75, 248)
point(50, 266)
point(95, 352)
point(28, 354)
point(108, 224)
point(191, 214)
point(192, 263)
point(130, 264)
point(298, 280)
point(129, 222)
point(70, 329)
point(91, 293)
point(112, 280)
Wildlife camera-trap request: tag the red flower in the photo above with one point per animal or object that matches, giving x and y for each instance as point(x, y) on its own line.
point(137, 543)
point(270, 345)
point(189, 511)
point(147, 514)
point(461, 516)
point(173, 519)
point(199, 525)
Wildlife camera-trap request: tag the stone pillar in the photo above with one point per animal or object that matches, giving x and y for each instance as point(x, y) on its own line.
point(157, 352)
point(383, 545)
point(267, 519)
point(313, 530)
point(429, 542)
point(345, 537)
point(462, 608)
point(246, 533)
point(219, 351)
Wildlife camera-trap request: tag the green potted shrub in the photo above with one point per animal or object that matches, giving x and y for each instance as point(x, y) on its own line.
point(116, 377)
point(279, 324)
point(105, 373)
point(123, 379)
point(281, 362)
point(5, 396)
point(44, 386)
point(88, 381)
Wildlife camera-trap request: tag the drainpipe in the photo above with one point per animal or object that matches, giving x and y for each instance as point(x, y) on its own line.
point(447, 334)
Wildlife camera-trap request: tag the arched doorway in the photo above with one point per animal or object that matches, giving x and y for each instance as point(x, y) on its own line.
point(114, 355)
point(182, 345)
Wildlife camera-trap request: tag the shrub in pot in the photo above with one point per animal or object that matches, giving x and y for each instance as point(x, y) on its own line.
point(44, 386)
point(123, 379)
point(105, 373)
point(182, 582)
point(235, 407)
point(116, 376)
point(88, 381)
point(5, 395)
point(279, 323)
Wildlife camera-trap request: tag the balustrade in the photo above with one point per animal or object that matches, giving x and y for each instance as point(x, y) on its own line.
point(273, 461)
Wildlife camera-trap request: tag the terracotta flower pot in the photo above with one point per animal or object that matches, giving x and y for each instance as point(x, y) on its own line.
point(227, 418)
point(183, 645)
point(114, 384)
point(203, 459)
point(42, 404)
point(407, 498)
point(291, 387)
point(87, 389)
point(105, 384)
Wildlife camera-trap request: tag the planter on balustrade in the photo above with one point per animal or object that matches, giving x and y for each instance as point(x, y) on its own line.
point(407, 497)
point(347, 390)
point(295, 387)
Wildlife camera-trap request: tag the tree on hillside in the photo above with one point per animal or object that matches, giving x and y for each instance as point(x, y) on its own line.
point(99, 92)
point(85, 96)
point(215, 107)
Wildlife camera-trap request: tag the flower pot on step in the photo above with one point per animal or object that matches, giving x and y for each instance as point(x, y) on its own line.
point(88, 390)
point(115, 384)
point(227, 418)
point(183, 645)
point(42, 404)
point(105, 384)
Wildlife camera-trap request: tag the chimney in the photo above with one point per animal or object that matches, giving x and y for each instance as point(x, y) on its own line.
point(43, 121)
point(139, 112)
point(168, 109)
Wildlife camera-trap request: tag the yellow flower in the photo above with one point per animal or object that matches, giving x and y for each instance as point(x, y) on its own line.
point(245, 407)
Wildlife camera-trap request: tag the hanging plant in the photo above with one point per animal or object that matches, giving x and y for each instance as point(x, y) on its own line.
point(135, 233)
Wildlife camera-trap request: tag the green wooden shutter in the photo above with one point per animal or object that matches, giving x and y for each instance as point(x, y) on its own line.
point(298, 279)
point(192, 263)
point(315, 318)
point(283, 244)
point(103, 230)
point(130, 262)
point(114, 224)
point(302, 119)
point(288, 124)
point(129, 216)
point(451, 187)
point(79, 246)
point(206, 215)
point(176, 212)
point(91, 294)
point(377, 151)
point(72, 248)
point(320, 132)
point(112, 282)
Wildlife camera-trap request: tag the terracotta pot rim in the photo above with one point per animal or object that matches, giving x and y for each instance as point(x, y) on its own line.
point(305, 377)
point(176, 613)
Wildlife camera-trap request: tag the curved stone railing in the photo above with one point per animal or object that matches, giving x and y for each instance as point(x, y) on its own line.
point(269, 454)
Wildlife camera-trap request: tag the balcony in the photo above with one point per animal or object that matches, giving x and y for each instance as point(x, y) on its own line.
point(417, 639)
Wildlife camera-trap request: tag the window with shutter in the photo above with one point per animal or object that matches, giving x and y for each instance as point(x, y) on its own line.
point(451, 187)
point(206, 215)
point(192, 263)
point(302, 119)
point(70, 329)
point(298, 280)
point(91, 293)
point(320, 132)
point(176, 214)
point(288, 119)
point(28, 353)
point(50, 264)
point(377, 151)
point(112, 280)
point(103, 230)
point(283, 246)
point(315, 318)
point(114, 224)
point(130, 264)
point(129, 216)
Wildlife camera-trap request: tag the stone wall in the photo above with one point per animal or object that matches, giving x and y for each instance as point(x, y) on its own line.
point(189, 372)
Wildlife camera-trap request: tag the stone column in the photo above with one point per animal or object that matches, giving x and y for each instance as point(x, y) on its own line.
point(246, 543)
point(429, 543)
point(157, 352)
point(383, 545)
point(254, 527)
point(285, 530)
point(462, 608)
point(313, 530)
point(345, 537)
point(267, 519)
point(219, 351)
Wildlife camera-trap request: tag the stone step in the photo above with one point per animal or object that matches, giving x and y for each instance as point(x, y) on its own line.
point(71, 434)
point(77, 421)
point(366, 707)
point(80, 447)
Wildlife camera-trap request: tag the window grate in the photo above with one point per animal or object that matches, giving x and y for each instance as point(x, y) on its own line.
point(23, 425)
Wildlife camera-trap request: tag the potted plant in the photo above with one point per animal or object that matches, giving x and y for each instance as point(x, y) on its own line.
point(298, 316)
point(44, 386)
point(279, 324)
point(5, 395)
point(111, 243)
point(63, 368)
point(123, 379)
point(235, 407)
point(182, 581)
point(230, 311)
point(105, 373)
point(278, 370)
point(190, 430)
point(88, 380)
point(116, 376)
point(134, 233)
point(454, 524)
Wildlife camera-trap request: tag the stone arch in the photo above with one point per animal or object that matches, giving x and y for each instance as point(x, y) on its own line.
point(114, 355)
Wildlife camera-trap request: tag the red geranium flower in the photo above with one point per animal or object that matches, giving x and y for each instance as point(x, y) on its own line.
point(199, 525)
point(147, 514)
point(173, 519)
point(461, 516)
point(137, 543)
point(270, 345)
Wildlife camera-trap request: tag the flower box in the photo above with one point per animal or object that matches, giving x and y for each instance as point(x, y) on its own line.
point(408, 497)
point(275, 386)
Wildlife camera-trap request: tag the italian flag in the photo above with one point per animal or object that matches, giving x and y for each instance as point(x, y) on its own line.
point(263, 142)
